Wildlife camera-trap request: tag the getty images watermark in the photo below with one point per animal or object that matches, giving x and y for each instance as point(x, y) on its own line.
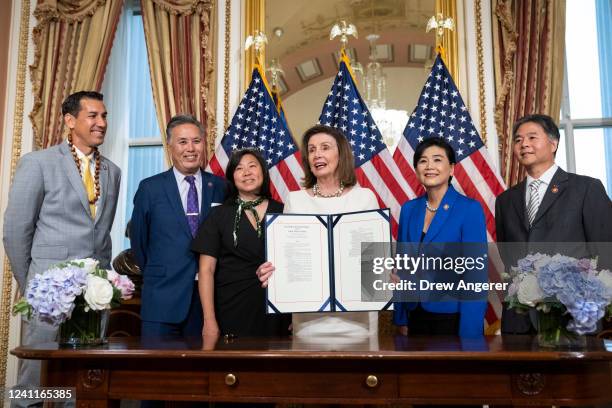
point(412, 272)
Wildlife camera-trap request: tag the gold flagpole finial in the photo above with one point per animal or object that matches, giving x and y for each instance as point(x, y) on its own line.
point(257, 40)
point(439, 23)
point(276, 71)
point(343, 29)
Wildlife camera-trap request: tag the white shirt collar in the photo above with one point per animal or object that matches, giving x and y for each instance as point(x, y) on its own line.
point(80, 154)
point(546, 177)
point(180, 177)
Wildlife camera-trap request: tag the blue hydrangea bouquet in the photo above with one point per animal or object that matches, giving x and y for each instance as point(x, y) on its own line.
point(76, 296)
point(570, 296)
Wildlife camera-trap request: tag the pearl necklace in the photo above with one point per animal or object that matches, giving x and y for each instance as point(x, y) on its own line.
point(430, 208)
point(316, 190)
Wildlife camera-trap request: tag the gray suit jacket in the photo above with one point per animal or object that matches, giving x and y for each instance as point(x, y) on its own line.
point(48, 219)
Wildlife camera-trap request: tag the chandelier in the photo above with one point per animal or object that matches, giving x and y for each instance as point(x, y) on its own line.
point(276, 71)
point(374, 82)
point(390, 122)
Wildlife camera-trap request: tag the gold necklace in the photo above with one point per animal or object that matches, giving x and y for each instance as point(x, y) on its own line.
point(316, 191)
point(77, 161)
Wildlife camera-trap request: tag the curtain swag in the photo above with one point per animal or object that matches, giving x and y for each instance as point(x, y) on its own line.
point(529, 44)
point(72, 44)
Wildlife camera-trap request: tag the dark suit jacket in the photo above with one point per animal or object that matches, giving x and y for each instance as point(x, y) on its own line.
point(459, 219)
point(574, 218)
point(161, 241)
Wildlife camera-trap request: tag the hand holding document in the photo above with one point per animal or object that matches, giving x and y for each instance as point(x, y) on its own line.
point(318, 260)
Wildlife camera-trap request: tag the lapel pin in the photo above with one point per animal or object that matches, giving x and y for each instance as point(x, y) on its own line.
point(209, 184)
point(446, 207)
point(554, 189)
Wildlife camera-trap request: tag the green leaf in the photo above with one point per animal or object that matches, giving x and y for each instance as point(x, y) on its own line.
point(22, 307)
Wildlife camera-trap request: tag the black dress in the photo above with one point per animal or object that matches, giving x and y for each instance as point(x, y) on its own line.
point(239, 298)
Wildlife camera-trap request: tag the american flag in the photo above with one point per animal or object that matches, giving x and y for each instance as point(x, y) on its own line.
point(279, 106)
point(442, 113)
point(257, 124)
point(375, 169)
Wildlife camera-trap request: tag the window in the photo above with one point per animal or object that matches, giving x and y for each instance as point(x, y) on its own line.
point(145, 152)
point(133, 140)
point(586, 109)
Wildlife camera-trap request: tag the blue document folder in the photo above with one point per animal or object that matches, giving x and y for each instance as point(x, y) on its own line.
point(318, 260)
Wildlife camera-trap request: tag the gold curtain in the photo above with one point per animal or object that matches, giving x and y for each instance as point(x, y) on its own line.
point(179, 45)
point(72, 40)
point(529, 44)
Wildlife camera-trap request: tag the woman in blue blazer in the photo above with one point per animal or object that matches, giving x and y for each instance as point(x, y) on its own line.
point(441, 215)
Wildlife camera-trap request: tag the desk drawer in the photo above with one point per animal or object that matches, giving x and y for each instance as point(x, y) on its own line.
point(454, 385)
point(303, 384)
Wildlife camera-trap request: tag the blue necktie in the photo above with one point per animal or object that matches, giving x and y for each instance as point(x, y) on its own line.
point(193, 209)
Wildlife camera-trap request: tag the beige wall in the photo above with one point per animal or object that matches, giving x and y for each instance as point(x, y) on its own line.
point(5, 21)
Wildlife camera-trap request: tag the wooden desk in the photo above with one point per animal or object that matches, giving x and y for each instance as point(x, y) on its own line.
point(495, 370)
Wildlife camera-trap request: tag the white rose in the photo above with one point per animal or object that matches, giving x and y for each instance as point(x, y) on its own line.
point(90, 264)
point(99, 293)
point(529, 292)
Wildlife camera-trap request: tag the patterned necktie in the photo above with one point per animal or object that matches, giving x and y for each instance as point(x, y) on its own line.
point(193, 209)
point(534, 200)
point(89, 186)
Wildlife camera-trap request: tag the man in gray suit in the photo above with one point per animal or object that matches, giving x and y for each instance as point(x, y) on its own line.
point(551, 210)
point(61, 206)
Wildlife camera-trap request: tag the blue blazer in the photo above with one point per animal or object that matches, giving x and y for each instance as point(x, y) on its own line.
point(161, 243)
point(459, 219)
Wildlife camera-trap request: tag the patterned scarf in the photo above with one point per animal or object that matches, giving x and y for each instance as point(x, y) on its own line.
point(246, 205)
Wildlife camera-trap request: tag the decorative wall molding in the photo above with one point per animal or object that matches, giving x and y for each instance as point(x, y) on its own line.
point(226, 63)
point(17, 141)
point(229, 61)
point(477, 65)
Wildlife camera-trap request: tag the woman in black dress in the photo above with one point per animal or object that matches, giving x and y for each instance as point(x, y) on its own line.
point(231, 247)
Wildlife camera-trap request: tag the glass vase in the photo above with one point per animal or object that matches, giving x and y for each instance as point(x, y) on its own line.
point(84, 328)
point(553, 333)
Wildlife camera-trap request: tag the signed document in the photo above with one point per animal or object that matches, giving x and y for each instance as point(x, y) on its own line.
point(322, 261)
